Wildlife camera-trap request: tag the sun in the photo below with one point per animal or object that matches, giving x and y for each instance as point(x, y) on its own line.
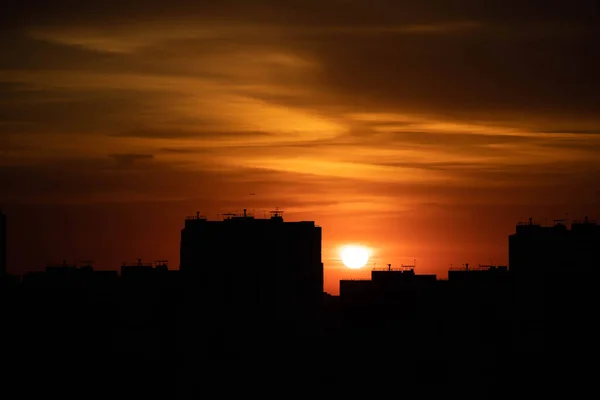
point(354, 257)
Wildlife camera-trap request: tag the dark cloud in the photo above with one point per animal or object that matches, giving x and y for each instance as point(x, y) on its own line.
point(7, 143)
point(298, 11)
point(127, 160)
point(538, 56)
point(33, 109)
point(33, 54)
point(453, 139)
point(573, 131)
point(188, 134)
point(467, 76)
point(84, 180)
point(509, 176)
point(92, 180)
point(185, 150)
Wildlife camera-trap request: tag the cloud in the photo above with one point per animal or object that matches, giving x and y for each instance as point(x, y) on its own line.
point(142, 178)
point(440, 28)
point(294, 12)
point(365, 91)
point(465, 77)
point(183, 150)
point(573, 131)
point(400, 56)
point(187, 134)
point(128, 160)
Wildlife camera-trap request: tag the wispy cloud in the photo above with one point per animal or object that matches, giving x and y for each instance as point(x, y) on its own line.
point(128, 160)
point(189, 134)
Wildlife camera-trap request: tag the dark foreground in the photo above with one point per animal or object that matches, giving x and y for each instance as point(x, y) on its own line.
point(53, 347)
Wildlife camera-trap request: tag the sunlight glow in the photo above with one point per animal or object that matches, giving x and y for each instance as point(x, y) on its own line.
point(354, 257)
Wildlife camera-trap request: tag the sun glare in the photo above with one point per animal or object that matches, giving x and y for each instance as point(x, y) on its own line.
point(354, 257)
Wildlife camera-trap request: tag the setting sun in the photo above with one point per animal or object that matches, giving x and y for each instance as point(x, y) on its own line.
point(354, 257)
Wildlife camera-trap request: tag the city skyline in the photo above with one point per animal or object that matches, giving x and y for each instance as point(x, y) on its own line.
point(251, 290)
point(424, 131)
point(331, 286)
point(299, 196)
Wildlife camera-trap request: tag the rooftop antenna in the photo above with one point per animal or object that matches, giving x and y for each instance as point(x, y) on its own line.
point(276, 213)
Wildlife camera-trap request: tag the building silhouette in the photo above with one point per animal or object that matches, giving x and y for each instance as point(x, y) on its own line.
point(242, 278)
point(537, 252)
point(67, 276)
point(146, 273)
point(386, 285)
point(391, 296)
point(480, 274)
point(479, 293)
point(245, 266)
point(554, 271)
point(3, 246)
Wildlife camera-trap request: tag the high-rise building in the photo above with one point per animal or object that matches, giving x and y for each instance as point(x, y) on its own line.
point(535, 251)
point(3, 245)
point(253, 265)
point(554, 270)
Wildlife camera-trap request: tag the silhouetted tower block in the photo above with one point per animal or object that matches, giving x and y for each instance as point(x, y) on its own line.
point(3, 246)
point(388, 285)
point(554, 269)
point(142, 273)
point(536, 251)
point(139, 271)
point(481, 275)
point(71, 276)
point(401, 285)
point(248, 264)
point(585, 245)
point(480, 286)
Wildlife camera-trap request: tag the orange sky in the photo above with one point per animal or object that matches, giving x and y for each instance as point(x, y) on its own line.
point(423, 132)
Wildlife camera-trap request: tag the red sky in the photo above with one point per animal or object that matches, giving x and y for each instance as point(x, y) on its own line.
point(425, 133)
